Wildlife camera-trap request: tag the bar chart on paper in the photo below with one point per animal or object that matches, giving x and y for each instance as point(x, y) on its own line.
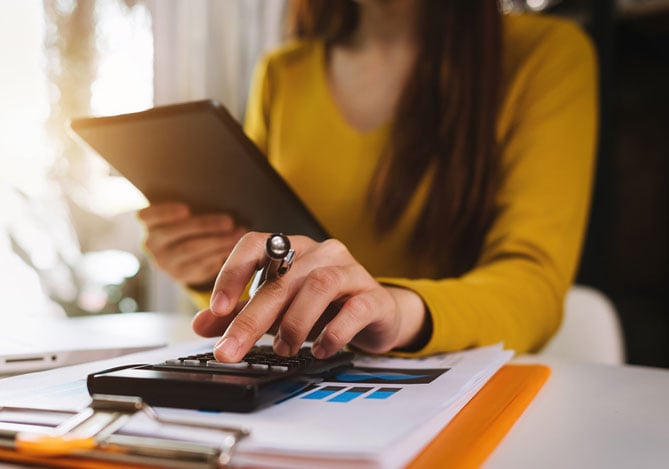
point(347, 394)
point(344, 385)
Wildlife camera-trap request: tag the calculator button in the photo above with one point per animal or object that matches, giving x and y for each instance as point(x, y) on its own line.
point(260, 366)
point(191, 362)
point(173, 361)
point(279, 368)
point(228, 366)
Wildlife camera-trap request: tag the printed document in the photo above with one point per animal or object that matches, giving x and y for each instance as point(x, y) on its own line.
point(379, 414)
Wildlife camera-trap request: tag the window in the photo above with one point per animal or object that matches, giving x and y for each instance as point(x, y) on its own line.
point(68, 238)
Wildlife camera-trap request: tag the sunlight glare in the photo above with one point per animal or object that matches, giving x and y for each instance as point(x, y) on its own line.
point(24, 156)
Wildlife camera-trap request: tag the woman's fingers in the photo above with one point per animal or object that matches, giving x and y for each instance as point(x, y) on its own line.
point(165, 237)
point(319, 289)
point(190, 248)
point(322, 273)
point(254, 320)
point(242, 263)
point(266, 307)
point(326, 292)
point(206, 324)
point(198, 270)
point(163, 214)
point(365, 313)
point(262, 312)
point(186, 253)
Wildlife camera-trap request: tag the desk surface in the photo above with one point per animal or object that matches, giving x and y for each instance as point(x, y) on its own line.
point(585, 416)
point(591, 416)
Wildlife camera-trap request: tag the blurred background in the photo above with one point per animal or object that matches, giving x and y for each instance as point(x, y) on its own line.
point(70, 244)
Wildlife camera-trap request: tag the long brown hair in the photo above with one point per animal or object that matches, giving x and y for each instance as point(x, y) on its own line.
point(444, 126)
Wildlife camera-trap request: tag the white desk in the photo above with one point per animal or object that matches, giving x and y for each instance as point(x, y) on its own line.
point(585, 416)
point(173, 327)
point(591, 416)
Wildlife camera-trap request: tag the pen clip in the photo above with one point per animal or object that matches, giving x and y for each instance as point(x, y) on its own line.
point(286, 263)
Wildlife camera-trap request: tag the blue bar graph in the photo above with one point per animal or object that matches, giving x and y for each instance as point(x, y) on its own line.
point(349, 394)
point(382, 393)
point(322, 393)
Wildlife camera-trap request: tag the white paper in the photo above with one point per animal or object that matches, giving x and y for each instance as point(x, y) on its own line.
point(340, 430)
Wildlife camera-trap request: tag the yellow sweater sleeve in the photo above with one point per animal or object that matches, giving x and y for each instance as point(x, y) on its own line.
point(529, 259)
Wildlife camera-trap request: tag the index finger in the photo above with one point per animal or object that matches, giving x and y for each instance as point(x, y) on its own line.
point(261, 313)
point(242, 263)
point(163, 213)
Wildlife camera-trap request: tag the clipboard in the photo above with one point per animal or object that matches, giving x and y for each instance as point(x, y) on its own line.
point(197, 153)
point(88, 439)
point(465, 442)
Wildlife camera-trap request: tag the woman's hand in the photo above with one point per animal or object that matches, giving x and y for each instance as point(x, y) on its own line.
point(327, 295)
point(189, 248)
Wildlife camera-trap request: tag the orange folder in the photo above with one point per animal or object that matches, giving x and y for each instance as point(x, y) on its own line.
point(475, 432)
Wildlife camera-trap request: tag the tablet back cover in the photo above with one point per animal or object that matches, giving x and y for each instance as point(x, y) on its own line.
point(197, 153)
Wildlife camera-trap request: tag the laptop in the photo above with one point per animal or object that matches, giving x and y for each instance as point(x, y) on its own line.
point(32, 343)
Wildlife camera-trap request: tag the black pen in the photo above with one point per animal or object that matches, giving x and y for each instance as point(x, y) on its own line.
point(279, 259)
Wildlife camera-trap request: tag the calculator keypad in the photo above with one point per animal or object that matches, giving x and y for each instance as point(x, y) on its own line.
point(261, 359)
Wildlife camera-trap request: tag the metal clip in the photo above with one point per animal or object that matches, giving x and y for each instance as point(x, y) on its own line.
point(91, 434)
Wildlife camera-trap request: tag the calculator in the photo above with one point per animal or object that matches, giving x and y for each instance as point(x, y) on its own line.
point(201, 382)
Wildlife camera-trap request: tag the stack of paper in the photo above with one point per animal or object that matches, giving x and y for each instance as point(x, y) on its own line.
point(381, 413)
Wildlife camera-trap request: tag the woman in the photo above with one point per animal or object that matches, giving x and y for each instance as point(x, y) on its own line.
point(449, 151)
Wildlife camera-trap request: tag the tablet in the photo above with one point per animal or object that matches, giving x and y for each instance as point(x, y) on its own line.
point(197, 153)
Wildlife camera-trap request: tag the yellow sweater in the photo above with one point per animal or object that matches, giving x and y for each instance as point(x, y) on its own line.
point(546, 130)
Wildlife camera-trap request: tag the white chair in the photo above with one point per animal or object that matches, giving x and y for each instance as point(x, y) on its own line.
point(590, 329)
